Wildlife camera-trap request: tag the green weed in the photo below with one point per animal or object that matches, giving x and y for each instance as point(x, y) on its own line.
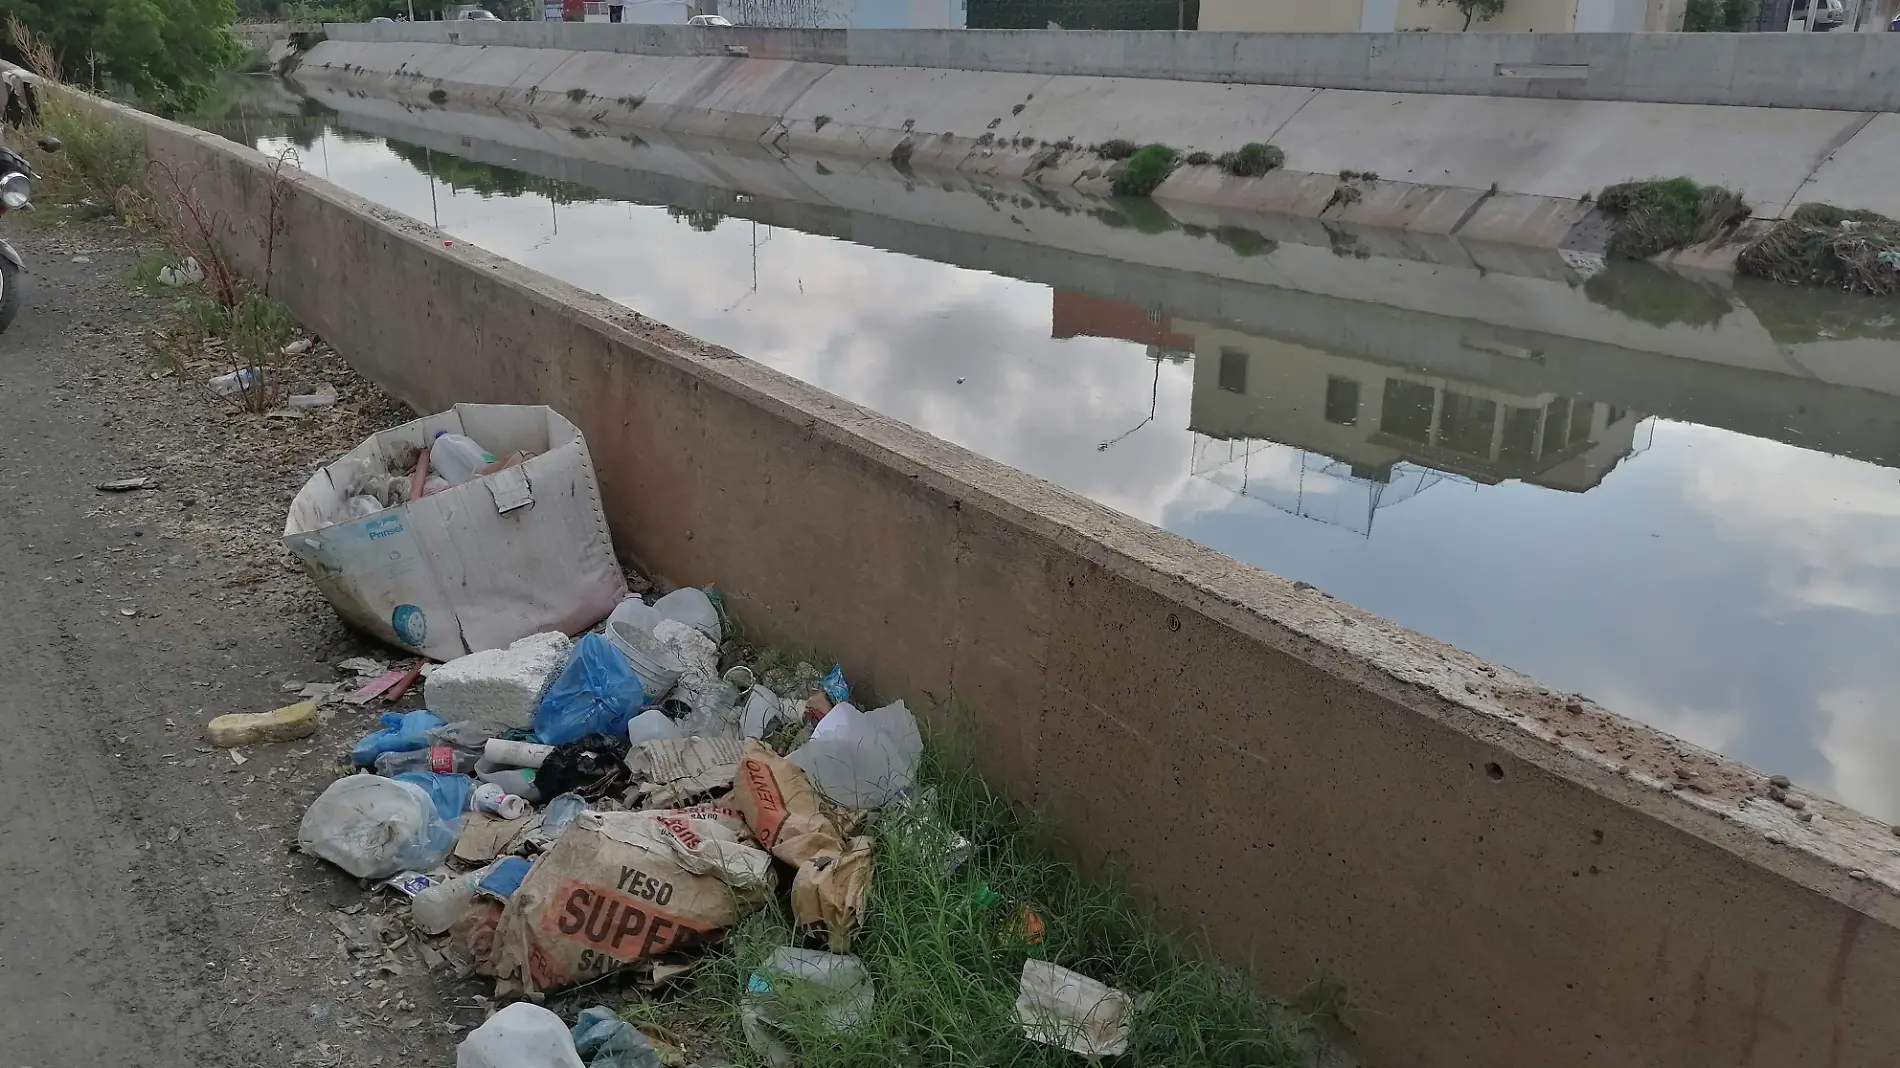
point(1144, 171)
point(1658, 215)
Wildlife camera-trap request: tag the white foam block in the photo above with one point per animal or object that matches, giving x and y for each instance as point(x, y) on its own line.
point(497, 688)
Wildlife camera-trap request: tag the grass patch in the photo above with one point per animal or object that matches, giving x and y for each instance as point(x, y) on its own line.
point(1661, 214)
point(946, 949)
point(1144, 171)
point(1822, 245)
point(1244, 242)
point(577, 94)
point(101, 161)
point(1252, 160)
point(1117, 149)
point(1198, 159)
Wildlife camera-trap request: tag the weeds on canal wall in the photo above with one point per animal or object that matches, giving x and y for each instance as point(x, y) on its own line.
point(1662, 214)
point(1145, 170)
point(1252, 160)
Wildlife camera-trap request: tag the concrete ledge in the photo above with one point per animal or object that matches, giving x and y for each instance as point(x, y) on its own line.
point(1440, 159)
point(1503, 876)
point(1833, 71)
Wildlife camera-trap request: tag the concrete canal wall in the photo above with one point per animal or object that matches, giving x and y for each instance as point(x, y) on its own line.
point(1503, 168)
point(1500, 874)
point(1520, 319)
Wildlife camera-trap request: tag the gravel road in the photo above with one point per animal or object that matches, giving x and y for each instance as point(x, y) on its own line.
point(155, 914)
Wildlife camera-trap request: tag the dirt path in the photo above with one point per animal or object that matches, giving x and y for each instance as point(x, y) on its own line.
point(155, 914)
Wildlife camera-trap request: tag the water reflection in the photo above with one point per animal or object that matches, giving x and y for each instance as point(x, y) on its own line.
point(1640, 486)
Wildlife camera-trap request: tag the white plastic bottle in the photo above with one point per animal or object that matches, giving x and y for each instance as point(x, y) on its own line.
point(436, 909)
point(456, 456)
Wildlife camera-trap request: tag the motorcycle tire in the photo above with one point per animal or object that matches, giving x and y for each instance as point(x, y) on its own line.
point(10, 293)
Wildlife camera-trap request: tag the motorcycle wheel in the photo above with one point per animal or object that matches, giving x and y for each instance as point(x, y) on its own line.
point(9, 293)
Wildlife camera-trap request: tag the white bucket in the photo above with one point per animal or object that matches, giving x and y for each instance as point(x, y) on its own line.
point(657, 667)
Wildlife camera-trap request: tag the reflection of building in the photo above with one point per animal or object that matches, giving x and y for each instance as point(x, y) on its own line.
point(1356, 435)
point(1080, 315)
point(849, 14)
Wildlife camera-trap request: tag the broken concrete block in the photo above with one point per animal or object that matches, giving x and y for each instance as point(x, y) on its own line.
point(497, 688)
point(248, 728)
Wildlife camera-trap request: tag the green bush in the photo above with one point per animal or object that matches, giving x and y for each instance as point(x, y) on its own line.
point(1252, 160)
point(1144, 171)
point(1661, 214)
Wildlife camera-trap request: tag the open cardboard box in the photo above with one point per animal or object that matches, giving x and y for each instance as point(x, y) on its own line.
point(478, 565)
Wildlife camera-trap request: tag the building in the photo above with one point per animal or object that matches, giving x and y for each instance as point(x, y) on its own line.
point(640, 12)
point(849, 14)
point(1387, 16)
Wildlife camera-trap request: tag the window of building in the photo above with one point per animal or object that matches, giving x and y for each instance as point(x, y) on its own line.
point(1406, 411)
point(1342, 400)
point(1233, 370)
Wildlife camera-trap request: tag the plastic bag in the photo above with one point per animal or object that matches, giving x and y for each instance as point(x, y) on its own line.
point(374, 827)
point(402, 732)
point(596, 693)
point(607, 1041)
point(862, 759)
point(449, 792)
point(519, 1036)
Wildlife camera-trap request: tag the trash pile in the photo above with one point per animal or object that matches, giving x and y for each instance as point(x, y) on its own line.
point(565, 810)
point(1821, 245)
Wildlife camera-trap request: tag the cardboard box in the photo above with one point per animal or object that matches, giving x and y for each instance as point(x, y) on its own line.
point(476, 566)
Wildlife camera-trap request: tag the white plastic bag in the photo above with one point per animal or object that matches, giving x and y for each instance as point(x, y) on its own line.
point(862, 759)
point(374, 827)
point(523, 1035)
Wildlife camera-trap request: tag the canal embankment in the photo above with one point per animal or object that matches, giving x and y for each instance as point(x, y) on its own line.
point(1497, 871)
point(1411, 146)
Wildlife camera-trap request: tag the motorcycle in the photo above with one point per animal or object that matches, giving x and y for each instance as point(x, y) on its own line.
point(16, 194)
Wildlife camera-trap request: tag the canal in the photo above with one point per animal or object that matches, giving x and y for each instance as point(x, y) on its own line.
point(1675, 495)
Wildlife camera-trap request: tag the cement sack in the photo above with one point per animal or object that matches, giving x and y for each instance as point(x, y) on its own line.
point(621, 887)
point(497, 688)
point(475, 566)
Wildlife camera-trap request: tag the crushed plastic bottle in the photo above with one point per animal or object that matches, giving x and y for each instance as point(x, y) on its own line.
point(440, 759)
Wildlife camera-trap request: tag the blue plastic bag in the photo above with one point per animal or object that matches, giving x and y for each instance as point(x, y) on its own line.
point(449, 792)
point(834, 685)
point(596, 693)
point(505, 877)
point(402, 732)
point(606, 1041)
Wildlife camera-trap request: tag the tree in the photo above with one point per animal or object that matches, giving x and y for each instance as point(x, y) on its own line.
point(1718, 16)
point(1481, 10)
point(165, 53)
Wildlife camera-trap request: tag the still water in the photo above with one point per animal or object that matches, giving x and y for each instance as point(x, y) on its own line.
point(1674, 497)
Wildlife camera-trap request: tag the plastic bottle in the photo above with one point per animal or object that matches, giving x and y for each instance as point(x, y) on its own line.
point(436, 909)
point(440, 759)
point(636, 613)
point(456, 456)
point(463, 734)
point(651, 725)
point(691, 607)
point(493, 799)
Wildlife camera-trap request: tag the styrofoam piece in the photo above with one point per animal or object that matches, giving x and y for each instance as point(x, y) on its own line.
point(497, 688)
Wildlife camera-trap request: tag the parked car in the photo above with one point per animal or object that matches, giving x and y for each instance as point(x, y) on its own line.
point(480, 15)
point(708, 20)
point(1828, 15)
point(382, 20)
